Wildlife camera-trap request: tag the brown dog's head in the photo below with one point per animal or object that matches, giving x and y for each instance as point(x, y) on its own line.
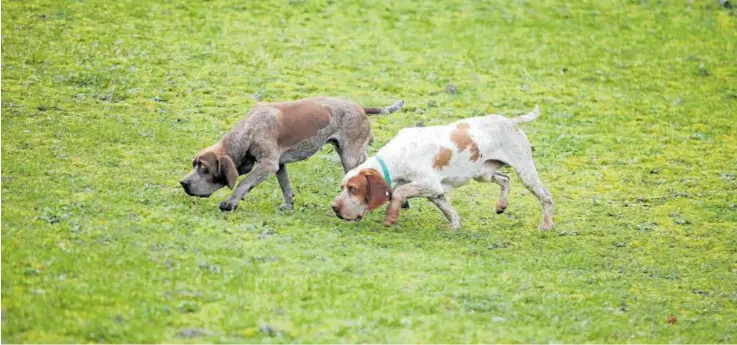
point(211, 170)
point(362, 191)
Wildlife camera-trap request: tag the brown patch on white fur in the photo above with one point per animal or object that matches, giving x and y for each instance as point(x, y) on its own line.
point(357, 186)
point(300, 120)
point(377, 189)
point(463, 141)
point(442, 158)
point(369, 187)
point(363, 192)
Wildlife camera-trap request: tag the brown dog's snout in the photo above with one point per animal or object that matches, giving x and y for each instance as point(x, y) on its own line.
point(185, 185)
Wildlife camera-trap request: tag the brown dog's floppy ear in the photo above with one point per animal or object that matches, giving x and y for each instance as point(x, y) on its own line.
point(378, 192)
point(227, 170)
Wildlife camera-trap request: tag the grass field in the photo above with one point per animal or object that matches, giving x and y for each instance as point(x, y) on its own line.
point(104, 104)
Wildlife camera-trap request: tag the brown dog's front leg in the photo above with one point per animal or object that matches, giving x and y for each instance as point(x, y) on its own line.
point(262, 171)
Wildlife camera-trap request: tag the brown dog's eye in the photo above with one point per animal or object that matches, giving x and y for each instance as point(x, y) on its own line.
point(351, 190)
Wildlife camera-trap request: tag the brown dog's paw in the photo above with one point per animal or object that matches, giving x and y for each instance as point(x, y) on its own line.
point(501, 206)
point(228, 205)
point(286, 207)
point(455, 226)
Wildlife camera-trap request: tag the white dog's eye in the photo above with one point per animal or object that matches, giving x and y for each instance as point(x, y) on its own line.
point(351, 189)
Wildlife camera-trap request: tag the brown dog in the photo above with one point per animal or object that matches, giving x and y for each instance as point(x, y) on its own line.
point(275, 134)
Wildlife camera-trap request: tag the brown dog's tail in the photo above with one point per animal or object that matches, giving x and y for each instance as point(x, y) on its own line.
point(383, 111)
point(527, 117)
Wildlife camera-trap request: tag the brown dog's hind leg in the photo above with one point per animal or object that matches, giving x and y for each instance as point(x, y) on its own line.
point(286, 188)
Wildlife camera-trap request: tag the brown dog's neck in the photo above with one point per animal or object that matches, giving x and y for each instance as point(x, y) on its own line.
point(243, 161)
point(223, 149)
point(235, 145)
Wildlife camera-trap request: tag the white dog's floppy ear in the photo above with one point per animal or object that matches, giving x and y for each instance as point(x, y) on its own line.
point(377, 191)
point(227, 171)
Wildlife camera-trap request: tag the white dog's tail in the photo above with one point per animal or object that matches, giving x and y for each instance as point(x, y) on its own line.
point(535, 113)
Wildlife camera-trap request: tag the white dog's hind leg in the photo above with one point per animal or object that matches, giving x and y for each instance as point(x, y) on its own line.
point(503, 182)
point(528, 174)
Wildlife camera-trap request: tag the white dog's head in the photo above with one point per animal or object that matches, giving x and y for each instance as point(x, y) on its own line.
point(361, 191)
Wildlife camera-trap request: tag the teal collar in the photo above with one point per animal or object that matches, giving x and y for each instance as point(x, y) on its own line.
point(384, 169)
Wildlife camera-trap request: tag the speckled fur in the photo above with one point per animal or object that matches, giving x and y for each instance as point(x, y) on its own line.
point(264, 142)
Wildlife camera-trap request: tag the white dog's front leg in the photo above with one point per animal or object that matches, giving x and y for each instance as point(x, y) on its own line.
point(419, 188)
point(444, 205)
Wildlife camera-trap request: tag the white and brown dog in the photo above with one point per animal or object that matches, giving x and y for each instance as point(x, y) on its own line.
point(431, 161)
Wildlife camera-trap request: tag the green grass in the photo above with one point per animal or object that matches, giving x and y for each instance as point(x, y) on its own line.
point(105, 103)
